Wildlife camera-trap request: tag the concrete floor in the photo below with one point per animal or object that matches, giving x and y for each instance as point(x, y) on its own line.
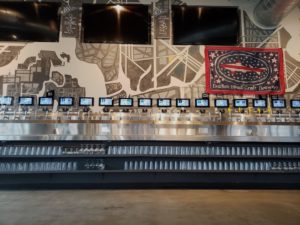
point(150, 207)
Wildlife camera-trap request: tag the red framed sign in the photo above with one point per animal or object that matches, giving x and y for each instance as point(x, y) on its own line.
point(236, 70)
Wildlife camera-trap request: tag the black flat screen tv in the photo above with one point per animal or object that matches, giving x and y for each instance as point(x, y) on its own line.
point(194, 25)
point(29, 21)
point(120, 24)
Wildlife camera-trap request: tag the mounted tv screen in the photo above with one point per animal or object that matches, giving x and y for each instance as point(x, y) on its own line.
point(194, 25)
point(29, 21)
point(121, 24)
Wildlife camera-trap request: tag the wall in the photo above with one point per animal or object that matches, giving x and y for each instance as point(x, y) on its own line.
point(157, 70)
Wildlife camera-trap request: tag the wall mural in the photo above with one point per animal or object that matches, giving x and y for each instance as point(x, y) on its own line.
point(72, 68)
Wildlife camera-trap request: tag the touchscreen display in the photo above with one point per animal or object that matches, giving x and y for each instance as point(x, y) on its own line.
point(26, 101)
point(127, 102)
point(6, 100)
point(106, 102)
point(278, 103)
point(66, 101)
point(240, 103)
point(163, 102)
point(202, 102)
point(295, 104)
point(259, 103)
point(182, 103)
point(84, 101)
point(145, 102)
point(221, 103)
point(45, 101)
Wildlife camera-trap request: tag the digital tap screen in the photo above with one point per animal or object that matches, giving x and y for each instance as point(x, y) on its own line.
point(26, 101)
point(240, 103)
point(221, 103)
point(126, 102)
point(6, 100)
point(295, 104)
point(86, 101)
point(278, 103)
point(259, 103)
point(107, 102)
point(45, 101)
point(145, 102)
point(164, 102)
point(66, 101)
point(183, 103)
point(202, 103)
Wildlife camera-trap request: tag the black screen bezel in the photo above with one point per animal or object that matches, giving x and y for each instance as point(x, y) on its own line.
point(111, 105)
point(144, 106)
point(79, 103)
point(48, 104)
point(253, 100)
point(32, 104)
point(242, 107)
point(157, 102)
point(12, 100)
point(59, 104)
point(189, 100)
point(272, 103)
point(291, 103)
point(84, 23)
point(131, 105)
point(238, 27)
point(58, 21)
point(227, 100)
point(202, 106)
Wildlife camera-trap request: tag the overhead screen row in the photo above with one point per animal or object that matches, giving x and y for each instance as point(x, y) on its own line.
point(147, 102)
point(125, 24)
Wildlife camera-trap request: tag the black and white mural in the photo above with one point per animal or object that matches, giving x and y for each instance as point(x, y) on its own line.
point(73, 68)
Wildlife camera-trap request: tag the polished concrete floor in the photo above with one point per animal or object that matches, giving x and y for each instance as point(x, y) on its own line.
point(150, 207)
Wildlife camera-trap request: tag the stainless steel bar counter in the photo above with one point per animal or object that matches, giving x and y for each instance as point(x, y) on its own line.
point(149, 150)
point(164, 127)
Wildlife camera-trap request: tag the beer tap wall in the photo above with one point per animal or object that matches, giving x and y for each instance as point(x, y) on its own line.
point(81, 113)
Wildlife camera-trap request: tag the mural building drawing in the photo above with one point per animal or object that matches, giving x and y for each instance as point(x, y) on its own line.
point(73, 68)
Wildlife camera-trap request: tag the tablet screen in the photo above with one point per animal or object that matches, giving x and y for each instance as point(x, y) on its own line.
point(86, 101)
point(6, 100)
point(221, 103)
point(164, 102)
point(125, 102)
point(26, 101)
point(259, 103)
point(202, 102)
point(45, 101)
point(145, 102)
point(66, 101)
point(182, 102)
point(106, 102)
point(240, 103)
